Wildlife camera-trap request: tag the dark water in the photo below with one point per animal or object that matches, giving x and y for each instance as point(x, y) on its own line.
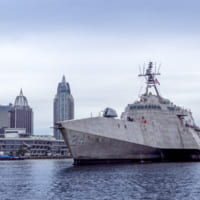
point(58, 179)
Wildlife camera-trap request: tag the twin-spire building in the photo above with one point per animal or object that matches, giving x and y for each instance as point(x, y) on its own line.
point(63, 106)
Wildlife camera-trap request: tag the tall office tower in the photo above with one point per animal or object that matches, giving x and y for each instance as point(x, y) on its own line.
point(63, 106)
point(21, 114)
point(5, 116)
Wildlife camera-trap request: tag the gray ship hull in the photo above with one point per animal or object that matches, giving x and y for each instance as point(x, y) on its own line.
point(103, 140)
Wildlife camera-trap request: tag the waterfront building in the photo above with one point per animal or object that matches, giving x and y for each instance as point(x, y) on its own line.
point(33, 146)
point(21, 114)
point(5, 116)
point(63, 106)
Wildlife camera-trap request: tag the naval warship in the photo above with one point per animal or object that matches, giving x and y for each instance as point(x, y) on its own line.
point(150, 129)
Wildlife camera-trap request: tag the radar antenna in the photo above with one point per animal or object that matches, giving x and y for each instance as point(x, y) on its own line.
point(150, 78)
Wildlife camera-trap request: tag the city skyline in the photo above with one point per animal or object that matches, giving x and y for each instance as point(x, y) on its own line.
point(98, 45)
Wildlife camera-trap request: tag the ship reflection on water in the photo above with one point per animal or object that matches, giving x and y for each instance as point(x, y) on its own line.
point(59, 179)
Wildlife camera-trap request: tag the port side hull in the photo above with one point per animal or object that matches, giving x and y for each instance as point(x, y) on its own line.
point(159, 155)
point(163, 155)
point(93, 149)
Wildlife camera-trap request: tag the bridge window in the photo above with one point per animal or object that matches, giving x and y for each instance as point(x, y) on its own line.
point(158, 107)
point(141, 107)
point(132, 107)
point(171, 108)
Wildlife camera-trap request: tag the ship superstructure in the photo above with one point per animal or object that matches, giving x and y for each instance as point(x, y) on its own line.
point(152, 128)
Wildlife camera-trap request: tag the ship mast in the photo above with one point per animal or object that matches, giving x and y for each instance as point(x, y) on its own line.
point(150, 78)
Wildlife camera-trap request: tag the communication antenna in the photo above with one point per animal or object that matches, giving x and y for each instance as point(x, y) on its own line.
point(143, 68)
point(140, 69)
point(150, 77)
point(140, 91)
point(159, 68)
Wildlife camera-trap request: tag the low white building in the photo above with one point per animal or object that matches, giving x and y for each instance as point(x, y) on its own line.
point(18, 144)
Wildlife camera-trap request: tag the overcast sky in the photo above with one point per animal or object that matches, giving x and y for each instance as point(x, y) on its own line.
point(98, 45)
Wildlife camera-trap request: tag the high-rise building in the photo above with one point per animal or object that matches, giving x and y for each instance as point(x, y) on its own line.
point(63, 106)
point(5, 116)
point(21, 114)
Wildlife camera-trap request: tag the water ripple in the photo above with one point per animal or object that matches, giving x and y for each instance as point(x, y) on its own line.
point(59, 179)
